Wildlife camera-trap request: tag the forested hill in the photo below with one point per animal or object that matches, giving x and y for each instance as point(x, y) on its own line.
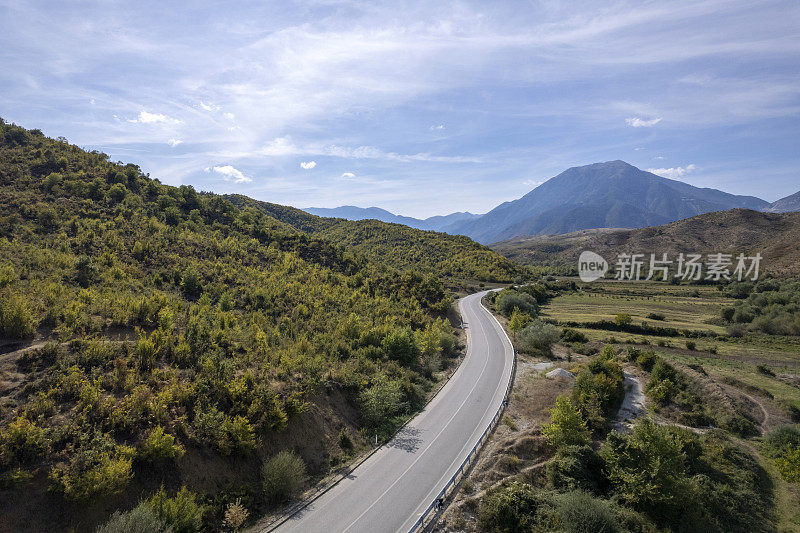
point(153, 335)
point(447, 256)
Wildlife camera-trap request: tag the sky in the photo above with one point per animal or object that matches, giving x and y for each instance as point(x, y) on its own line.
point(421, 108)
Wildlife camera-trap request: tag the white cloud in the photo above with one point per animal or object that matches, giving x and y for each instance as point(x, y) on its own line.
point(208, 107)
point(229, 173)
point(174, 142)
point(145, 117)
point(284, 146)
point(348, 175)
point(439, 127)
point(532, 183)
point(308, 165)
point(229, 116)
point(637, 122)
point(673, 173)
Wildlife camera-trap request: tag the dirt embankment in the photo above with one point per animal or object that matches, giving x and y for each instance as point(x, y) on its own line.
point(517, 447)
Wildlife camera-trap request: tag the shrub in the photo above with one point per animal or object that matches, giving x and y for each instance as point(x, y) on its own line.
point(623, 319)
point(512, 508)
point(739, 425)
point(182, 513)
point(99, 468)
point(235, 515)
point(599, 388)
point(765, 370)
point(400, 346)
point(345, 442)
point(781, 438)
point(577, 468)
point(140, 519)
point(691, 345)
point(570, 335)
point(538, 337)
point(382, 401)
point(227, 434)
point(727, 313)
point(16, 321)
point(22, 442)
point(656, 316)
point(509, 299)
point(7, 276)
point(158, 446)
point(646, 360)
point(582, 513)
point(664, 383)
point(783, 445)
point(647, 469)
point(788, 464)
point(518, 320)
point(190, 283)
point(283, 476)
point(566, 426)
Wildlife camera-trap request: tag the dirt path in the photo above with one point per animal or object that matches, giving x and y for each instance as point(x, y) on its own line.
point(633, 404)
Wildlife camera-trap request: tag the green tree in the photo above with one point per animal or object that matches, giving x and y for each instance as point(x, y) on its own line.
point(400, 346)
point(566, 427)
point(158, 446)
point(182, 513)
point(140, 519)
point(647, 468)
point(190, 282)
point(623, 319)
point(538, 338)
point(382, 401)
point(518, 320)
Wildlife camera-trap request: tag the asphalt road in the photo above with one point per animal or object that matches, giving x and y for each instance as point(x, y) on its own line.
point(391, 489)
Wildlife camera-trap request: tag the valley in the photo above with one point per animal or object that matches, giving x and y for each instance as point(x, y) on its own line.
point(200, 362)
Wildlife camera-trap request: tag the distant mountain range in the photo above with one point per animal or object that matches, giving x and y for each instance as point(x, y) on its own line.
point(351, 212)
point(785, 205)
point(613, 194)
point(773, 235)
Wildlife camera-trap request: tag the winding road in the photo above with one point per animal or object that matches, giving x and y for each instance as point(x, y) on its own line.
point(394, 486)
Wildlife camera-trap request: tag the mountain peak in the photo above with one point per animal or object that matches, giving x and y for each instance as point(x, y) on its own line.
point(600, 195)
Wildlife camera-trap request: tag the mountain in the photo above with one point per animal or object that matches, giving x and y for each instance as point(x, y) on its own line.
point(603, 195)
point(789, 204)
point(774, 235)
point(448, 257)
point(351, 212)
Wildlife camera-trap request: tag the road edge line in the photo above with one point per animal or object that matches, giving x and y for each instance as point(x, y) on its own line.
point(305, 503)
point(469, 462)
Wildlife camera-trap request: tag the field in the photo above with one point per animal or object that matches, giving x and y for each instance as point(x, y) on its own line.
point(722, 384)
point(696, 309)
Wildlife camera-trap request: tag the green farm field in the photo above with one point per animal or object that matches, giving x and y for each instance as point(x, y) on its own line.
point(750, 359)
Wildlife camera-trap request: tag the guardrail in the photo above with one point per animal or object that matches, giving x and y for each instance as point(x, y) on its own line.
point(436, 504)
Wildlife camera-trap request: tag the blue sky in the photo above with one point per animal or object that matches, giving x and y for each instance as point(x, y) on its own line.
point(421, 108)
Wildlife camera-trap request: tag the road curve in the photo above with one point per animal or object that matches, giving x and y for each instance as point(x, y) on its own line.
point(391, 489)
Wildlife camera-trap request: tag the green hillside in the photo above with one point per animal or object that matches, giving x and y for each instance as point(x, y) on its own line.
point(152, 335)
point(450, 257)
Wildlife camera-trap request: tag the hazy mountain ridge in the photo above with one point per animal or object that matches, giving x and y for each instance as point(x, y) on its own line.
point(351, 212)
point(788, 204)
point(774, 235)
